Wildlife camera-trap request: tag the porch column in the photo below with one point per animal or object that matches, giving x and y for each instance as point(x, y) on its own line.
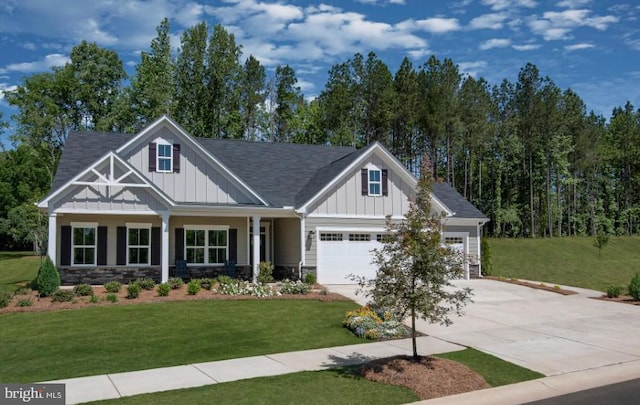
point(256, 247)
point(165, 247)
point(51, 247)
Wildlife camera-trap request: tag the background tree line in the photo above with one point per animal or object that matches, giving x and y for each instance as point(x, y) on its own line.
point(528, 153)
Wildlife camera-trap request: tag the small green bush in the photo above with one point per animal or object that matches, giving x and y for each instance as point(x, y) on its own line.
point(265, 274)
point(62, 296)
point(222, 279)
point(48, 279)
point(25, 302)
point(193, 287)
point(310, 278)
point(163, 289)
point(206, 283)
point(175, 283)
point(23, 291)
point(83, 290)
point(112, 287)
point(614, 291)
point(94, 299)
point(634, 287)
point(133, 290)
point(294, 287)
point(111, 298)
point(5, 298)
point(146, 283)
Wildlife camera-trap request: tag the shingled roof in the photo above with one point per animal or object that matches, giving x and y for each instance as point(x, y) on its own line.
point(283, 174)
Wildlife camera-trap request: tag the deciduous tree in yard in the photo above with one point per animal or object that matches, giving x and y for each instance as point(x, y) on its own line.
point(415, 268)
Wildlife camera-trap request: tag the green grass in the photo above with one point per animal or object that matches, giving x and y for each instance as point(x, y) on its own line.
point(331, 387)
point(17, 268)
point(335, 387)
point(63, 344)
point(570, 261)
point(496, 372)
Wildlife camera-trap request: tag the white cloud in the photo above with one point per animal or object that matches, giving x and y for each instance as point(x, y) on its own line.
point(494, 43)
point(573, 3)
point(418, 54)
point(577, 47)
point(435, 25)
point(381, 2)
point(498, 5)
point(473, 69)
point(6, 88)
point(493, 21)
point(557, 25)
point(305, 86)
point(526, 47)
point(46, 63)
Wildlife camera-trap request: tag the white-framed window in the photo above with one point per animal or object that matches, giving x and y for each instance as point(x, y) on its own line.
point(206, 244)
point(139, 244)
point(330, 236)
point(359, 237)
point(164, 156)
point(84, 244)
point(453, 240)
point(375, 182)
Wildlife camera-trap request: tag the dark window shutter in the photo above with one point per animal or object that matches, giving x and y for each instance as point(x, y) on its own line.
point(385, 182)
point(65, 245)
point(179, 244)
point(364, 173)
point(233, 245)
point(121, 249)
point(101, 260)
point(152, 157)
point(156, 246)
point(176, 158)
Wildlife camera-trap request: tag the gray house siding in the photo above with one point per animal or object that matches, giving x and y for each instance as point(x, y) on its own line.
point(346, 197)
point(198, 180)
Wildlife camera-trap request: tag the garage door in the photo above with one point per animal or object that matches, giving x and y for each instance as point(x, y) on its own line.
point(344, 253)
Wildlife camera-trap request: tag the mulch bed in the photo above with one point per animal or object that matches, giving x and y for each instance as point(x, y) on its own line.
point(149, 296)
point(429, 377)
point(541, 286)
point(624, 299)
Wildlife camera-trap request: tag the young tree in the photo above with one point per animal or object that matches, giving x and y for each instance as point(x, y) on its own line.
point(415, 269)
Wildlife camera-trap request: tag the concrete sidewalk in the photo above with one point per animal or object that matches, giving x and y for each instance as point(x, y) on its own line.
point(109, 386)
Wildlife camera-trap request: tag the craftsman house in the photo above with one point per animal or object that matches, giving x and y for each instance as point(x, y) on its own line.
point(128, 206)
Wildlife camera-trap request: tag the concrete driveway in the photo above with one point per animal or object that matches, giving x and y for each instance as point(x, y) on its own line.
point(539, 330)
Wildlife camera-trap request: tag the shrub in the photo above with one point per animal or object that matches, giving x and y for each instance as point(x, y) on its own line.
point(25, 302)
point(23, 291)
point(175, 283)
point(62, 296)
point(133, 290)
point(163, 289)
point(193, 287)
point(310, 278)
point(83, 290)
point(613, 291)
point(259, 291)
point(111, 298)
point(294, 287)
point(94, 299)
point(5, 298)
point(206, 283)
point(231, 286)
point(112, 287)
point(222, 279)
point(146, 283)
point(265, 274)
point(634, 287)
point(48, 279)
point(374, 324)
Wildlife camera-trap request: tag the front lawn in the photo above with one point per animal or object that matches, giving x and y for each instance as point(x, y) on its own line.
point(17, 268)
point(330, 387)
point(40, 346)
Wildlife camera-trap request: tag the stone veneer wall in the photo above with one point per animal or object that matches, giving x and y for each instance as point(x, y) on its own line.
point(101, 275)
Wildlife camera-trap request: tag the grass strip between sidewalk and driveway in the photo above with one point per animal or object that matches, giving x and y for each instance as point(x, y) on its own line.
point(335, 387)
point(39, 346)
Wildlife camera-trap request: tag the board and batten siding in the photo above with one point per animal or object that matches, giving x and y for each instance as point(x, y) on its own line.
point(473, 240)
point(197, 182)
point(97, 198)
point(286, 242)
point(312, 223)
point(346, 198)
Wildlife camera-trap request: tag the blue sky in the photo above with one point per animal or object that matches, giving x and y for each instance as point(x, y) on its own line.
point(591, 46)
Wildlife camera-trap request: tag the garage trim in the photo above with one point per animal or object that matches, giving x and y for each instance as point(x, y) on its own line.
point(465, 247)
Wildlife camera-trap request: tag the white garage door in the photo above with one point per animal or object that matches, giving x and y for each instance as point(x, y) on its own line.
point(343, 253)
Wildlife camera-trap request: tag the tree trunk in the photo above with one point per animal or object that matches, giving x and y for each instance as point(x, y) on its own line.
point(531, 208)
point(413, 334)
point(549, 215)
